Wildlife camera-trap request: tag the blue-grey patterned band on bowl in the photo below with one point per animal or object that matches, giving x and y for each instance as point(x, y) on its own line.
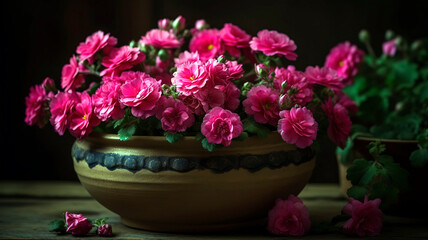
point(218, 164)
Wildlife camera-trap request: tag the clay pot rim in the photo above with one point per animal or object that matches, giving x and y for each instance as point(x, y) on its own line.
point(387, 140)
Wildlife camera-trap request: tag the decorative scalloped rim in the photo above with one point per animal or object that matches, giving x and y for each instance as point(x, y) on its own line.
point(218, 164)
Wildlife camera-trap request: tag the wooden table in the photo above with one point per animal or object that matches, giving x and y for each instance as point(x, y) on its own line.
point(27, 207)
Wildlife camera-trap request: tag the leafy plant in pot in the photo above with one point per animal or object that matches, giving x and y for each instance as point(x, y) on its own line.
point(242, 121)
point(387, 153)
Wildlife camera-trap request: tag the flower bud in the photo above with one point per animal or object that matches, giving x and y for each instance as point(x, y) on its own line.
point(261, 70)
point(105, 230)
point(164, 24)
point(364, 36)
point(163, 54)
point(221, 59)
point(285, 102)
point(201, 24)
point(179, 23)
point(49, 85)
point(389, 34)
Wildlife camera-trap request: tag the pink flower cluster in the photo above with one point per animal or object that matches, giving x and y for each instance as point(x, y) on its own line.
point(203, 90)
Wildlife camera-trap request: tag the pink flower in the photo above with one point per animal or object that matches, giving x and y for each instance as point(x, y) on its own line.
point(298, 89)
point(340, 123)
point(366, 217)
point(193, 103)
point(141, 94)
point(220, 126)
point(97, 41)
point(190, 77)
point(186, 57)
point(61, 106)
point(234, 38)
point(344, 58)
point(105, 230)
point(70, 77)
point(161, 39)
point(232, 97)
point(164, 24)
point(235, 70)
point(274, 43)
point(36, 102)
point(298, 126)
point(77, 224)
point(82, 118)
point(175, 116)
point(120, 59)
point(390, 47)
point(325, 76)
point(106, 101)
point(289, 217)
point(262, 103)
point(345, 101)
point(207, 43)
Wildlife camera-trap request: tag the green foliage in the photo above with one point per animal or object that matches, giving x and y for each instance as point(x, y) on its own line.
point(419, 158)
point(209, 146)
point(58, 226)
point(253, 127)
point(379, 178)
point(127, 132)
point(100, 221)
point(173, 137)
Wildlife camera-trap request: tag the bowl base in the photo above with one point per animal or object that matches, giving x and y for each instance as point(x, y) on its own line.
point(194, 228)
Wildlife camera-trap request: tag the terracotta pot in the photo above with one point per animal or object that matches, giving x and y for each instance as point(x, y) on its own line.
point(180, 187)
point(411, 203)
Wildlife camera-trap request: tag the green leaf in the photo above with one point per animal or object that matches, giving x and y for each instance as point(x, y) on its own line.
point(346, 154)
point(387, 193)
point(357, 170)
point(370, 173)
point(209, 146)
point(398, 176)
point(242, 137)
point(256, 128)
point(127, 132)
point(357, 192)
point(423, 139)
point(422, 90)
point(376, 148)
point(58, 226)
point(119, 122)
point(403, 74)
point(173, 137)
point(100, 221)
point(419, 158)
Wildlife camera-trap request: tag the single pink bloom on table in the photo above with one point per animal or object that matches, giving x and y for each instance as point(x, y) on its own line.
point(94, 43)
point(36, 104)
point(77, 224)
point(366, 217)
point(298, 126)
point(339, 122)
point(142, 95)
point(274, 43)
point(161, 39)
point(234, 39)
point(61, 106)
point(262, 103)
point(325, 76)
point(82, 119)
point(297, 88)
point(289, 217)
point(220, 126)
point(345, 58)
point(207, 43)
point(190, 77)
point(120, 59)
point(390, 47)
point(174, 115)
point(71, 75)
point(106, 101)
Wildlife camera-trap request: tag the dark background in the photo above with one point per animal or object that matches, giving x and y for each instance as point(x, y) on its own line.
point(39, 37)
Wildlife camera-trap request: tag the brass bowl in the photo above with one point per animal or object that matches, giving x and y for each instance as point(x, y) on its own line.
point(181, 187)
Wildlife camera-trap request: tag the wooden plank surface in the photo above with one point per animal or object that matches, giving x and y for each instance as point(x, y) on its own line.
point(27, 207)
